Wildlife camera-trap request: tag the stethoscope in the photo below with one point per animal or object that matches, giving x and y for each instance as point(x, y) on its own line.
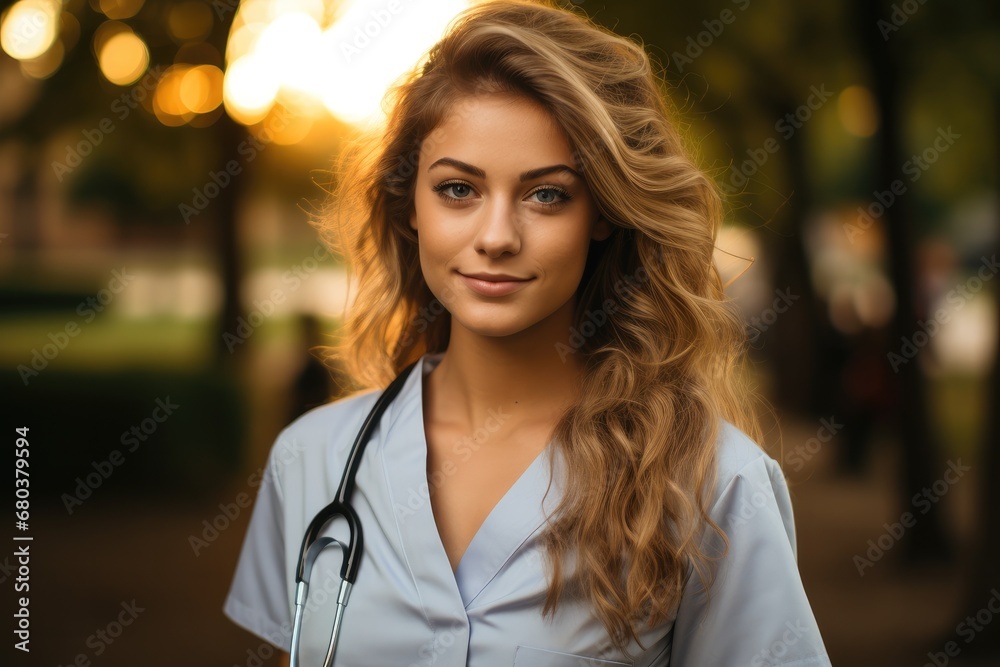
point(312, 546)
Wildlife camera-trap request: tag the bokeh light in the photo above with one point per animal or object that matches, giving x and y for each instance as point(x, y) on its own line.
point(249, 90)
point(104, 32)
point(46, 64)
point(342, 55)
point(858, 111)
point(29, 28)
point(168, 104)
point(188, 94)
point(201, 88)
point(120, 9)
point(123, 58)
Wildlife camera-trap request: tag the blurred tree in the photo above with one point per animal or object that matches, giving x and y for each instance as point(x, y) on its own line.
point(118, 175)
point(982, 581)
point(731, 58)
point(746, 56)
point(922, 456)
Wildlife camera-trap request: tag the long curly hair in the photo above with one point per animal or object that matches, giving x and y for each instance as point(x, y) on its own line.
point(662, 346)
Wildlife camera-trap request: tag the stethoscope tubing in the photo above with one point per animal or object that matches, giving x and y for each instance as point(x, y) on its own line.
point(312, 544)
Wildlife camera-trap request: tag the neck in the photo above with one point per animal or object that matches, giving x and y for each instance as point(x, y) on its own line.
point(530, 377)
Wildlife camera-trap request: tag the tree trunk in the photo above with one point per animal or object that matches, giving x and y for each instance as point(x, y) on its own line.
point(922, 465)
point(983, 583)
point(230, 134)
point(799, 343)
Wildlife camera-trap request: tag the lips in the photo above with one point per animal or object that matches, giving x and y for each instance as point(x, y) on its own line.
point(495, 277)
point(495, 284)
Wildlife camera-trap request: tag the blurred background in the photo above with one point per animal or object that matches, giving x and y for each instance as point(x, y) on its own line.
point(161, 288)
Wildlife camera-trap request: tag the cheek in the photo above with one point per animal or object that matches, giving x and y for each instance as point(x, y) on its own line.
point(437, 250)
point(567, 251)
point(436, 245)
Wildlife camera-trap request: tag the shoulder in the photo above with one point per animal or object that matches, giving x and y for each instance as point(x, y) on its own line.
point(735, 449)
point(322, 432)
point(750, 488)
point(756, 602)
point(740, 459)
point(316, 423)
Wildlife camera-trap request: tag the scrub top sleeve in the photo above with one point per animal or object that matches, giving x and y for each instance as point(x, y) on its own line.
point(756, 612)
point(258, 599)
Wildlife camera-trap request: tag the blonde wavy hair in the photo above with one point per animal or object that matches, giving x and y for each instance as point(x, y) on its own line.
point(666, 366)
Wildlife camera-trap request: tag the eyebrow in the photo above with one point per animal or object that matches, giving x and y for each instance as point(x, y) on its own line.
point(526, 176)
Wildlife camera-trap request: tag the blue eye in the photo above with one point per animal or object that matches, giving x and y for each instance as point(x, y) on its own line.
point(453, 184)
point(551, 196)
point(548, 196)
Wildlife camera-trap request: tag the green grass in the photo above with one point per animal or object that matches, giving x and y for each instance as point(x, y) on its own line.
point(107, 341)
point(112, 342)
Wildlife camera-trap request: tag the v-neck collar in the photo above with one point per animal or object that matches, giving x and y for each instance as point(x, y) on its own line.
point(515, 517)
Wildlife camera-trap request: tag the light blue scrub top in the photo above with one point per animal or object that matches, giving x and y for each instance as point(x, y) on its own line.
point(408, 608)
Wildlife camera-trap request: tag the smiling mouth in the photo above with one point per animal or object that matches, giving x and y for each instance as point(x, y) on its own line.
point(494, 287)
point(498, 278)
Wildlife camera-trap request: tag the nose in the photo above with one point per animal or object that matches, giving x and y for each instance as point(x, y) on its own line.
point(499, 230)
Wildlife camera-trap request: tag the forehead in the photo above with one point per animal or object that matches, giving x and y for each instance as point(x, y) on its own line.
point(498, 128)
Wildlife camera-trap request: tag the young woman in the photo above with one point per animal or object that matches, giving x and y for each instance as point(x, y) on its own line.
point(569, 476)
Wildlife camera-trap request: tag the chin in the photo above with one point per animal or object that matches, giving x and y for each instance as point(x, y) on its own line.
point(487, 325)
point(492, 329)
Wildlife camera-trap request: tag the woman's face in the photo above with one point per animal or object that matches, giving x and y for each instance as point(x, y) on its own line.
point(498, 194)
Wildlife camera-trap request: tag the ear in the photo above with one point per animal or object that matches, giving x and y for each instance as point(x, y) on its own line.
point(413, 218)
point(602, 229)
